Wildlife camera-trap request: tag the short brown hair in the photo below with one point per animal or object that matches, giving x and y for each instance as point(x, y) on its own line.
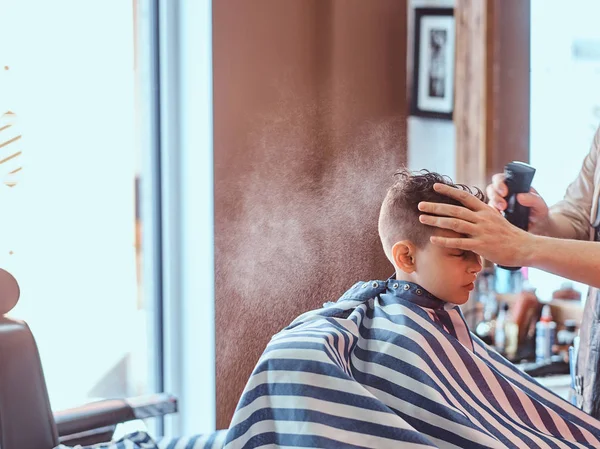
point(399, 214)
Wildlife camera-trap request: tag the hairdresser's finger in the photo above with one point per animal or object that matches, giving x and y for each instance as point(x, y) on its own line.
point(499, 184)
point(532, 200)
point(463, 196)
point(448, 210)
point(494, 198)
point(453, 224)
point(457, 243)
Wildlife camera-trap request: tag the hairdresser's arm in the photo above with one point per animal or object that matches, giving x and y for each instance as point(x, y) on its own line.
point(577, 260)
point(486, 232)
point(561, 226)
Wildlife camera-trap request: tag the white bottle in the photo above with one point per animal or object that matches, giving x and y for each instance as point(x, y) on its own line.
point(500, 331)
point(545, 330)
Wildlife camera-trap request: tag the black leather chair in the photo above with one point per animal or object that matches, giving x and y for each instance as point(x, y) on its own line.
point(26, 420)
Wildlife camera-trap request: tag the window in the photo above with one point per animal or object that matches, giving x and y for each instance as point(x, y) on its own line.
point(108, 227)
point(71, 227)
point(565, 100)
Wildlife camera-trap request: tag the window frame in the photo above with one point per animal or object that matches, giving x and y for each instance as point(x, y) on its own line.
point(176, 66)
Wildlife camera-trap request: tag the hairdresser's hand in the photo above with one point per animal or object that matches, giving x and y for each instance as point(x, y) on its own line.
point(484, 230)
point(539, 220)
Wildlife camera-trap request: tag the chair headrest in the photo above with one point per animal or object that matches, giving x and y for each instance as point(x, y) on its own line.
point(9, 292)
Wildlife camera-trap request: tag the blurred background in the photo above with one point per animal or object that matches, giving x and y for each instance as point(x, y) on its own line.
point(180, 179)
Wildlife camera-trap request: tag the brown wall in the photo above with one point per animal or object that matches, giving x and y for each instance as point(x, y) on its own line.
point(510, 76)
point(309, 125)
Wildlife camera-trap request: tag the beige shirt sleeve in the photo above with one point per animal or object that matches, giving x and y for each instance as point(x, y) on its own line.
point(578, 203)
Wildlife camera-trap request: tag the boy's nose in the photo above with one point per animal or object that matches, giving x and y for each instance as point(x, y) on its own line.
point(476, 265)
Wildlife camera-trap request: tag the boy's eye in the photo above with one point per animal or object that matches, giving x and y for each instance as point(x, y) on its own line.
point(460, 254)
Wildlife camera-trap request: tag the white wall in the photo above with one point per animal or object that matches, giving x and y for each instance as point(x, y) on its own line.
point(431, 145)
point(431, 142)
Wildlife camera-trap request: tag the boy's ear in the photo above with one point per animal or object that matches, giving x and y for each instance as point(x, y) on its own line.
point(403, 254)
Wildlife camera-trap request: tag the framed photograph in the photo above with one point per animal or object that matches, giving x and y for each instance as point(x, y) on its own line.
point(433, 76)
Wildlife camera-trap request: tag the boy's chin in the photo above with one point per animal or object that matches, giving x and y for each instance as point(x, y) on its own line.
point(459, 300)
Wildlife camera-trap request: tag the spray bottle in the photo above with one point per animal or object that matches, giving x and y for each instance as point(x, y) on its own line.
point(545, 330)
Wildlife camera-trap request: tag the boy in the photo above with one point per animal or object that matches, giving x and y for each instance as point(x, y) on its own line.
point(393, 364)
point(448, 274)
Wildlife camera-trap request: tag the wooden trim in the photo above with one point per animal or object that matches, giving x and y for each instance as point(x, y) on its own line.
point(492, 87)
point(510, 84)
point(471, 109)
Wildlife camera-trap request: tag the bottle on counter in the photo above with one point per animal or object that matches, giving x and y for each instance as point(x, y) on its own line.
point(500, 329)
point(566, 337)
point(545, 331)
point(483, 323)
point(567, 291)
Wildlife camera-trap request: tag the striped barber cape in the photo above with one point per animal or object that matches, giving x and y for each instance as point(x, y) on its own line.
point(390, 366)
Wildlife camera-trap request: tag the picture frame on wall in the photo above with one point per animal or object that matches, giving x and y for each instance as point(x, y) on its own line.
point(433, 73)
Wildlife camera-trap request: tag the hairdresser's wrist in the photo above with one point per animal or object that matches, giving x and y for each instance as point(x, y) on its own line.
point(545, 226)
point(528, 249)
point(543, 252)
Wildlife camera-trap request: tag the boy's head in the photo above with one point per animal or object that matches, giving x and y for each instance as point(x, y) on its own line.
point(446, 273)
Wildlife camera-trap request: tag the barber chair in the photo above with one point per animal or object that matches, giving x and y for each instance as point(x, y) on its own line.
point(26, 420)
